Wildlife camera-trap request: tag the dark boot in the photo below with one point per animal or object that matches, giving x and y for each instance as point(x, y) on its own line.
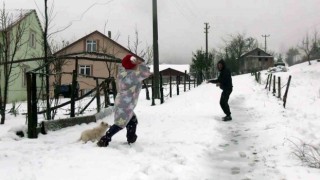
point(131, 130)
point(104, 141)
point(227, 118)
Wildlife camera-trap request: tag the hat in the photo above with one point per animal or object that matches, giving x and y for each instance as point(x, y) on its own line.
point(127, 62)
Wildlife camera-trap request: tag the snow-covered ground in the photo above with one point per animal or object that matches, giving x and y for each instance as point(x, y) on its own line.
point(184, 138)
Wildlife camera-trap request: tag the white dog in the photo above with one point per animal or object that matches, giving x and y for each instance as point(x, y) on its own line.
point(94, 134)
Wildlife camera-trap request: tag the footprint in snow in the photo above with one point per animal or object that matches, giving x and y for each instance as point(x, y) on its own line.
point(235, 170)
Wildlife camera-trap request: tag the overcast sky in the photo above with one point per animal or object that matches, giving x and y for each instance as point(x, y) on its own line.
point(181, 22)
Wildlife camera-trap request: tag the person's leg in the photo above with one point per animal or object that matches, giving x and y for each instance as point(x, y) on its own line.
point(131, 129)
point(224, 101)
point(104, 141)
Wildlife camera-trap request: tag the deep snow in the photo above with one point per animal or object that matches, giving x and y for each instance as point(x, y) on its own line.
point(184, 138)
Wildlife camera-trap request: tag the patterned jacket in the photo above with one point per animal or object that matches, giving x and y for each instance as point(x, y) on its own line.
point(129, 87)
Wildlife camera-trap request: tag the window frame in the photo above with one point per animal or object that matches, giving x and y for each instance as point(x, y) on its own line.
point(91, 45)
point(32, 39)
point(85, 68)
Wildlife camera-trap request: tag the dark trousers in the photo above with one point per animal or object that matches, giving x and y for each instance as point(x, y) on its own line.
point(224, 101)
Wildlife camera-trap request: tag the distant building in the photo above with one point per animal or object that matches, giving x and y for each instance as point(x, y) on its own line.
point(173, 70)
point(21, 37)
point(255, 60)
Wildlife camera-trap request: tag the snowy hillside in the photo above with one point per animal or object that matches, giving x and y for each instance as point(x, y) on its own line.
point(184, 138)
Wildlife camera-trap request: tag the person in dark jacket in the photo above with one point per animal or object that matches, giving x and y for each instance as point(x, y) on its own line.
point(224, 81)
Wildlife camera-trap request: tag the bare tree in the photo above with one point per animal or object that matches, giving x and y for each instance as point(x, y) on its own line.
point(315, 50)
point(291, 55)
point(146, 53)
point(109, 48)
point(11, 41)
point(235, 47)
point(306, 47)
point(149, 54)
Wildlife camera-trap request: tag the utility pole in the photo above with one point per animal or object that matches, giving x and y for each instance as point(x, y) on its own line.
point(265, 41)
point(155, 51)
point(206, 32)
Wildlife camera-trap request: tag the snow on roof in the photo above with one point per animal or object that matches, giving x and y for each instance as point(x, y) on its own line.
point(178, 67)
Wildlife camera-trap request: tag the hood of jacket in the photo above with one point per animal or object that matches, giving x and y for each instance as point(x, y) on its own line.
point(222, 63)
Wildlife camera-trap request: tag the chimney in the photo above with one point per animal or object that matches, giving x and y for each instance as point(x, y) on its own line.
point(109, 34)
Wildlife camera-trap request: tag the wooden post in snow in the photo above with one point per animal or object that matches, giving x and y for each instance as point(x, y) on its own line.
point(286, 93)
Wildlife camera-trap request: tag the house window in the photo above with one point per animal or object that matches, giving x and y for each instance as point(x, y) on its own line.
point(91, 46)
point(85, 70)
point(266, 59)
point(32, 39)
point(24, 78)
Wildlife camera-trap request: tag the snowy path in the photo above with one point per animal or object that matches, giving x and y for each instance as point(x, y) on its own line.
point(238, 157)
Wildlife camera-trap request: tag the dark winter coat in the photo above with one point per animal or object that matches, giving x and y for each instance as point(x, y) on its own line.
point(224, 78)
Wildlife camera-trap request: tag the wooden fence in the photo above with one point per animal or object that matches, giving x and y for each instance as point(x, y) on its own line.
point(273, 84)
point(106, 87)
point(186, 84)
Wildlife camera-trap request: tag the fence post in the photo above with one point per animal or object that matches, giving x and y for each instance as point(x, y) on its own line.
point(184, 82)
point(286, 92)
point(106, 94)
point(161, 89)
point(189, 80)
point(98, 95)
point(73, 90)
point(267, 81)
point(177, 83)
point(147, 89)
point(259, 77)
point(270, 82)
point(32, 105)
point(170, 86)
point(279, 87)
point(152, 100)
point(274, 85)
point(255, 75)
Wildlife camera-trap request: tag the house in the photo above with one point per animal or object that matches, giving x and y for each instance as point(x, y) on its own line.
point(173, 70)
point(255, 60)
point(20, 38)
point(94, 45)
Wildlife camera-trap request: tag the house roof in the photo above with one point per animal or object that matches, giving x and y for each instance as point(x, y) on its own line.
point(179, 67)
point(248, 54)
point(104, 36)
point(15, 16)
point(171, 72)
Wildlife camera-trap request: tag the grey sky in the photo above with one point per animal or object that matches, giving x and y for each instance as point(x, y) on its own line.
point(181, 22)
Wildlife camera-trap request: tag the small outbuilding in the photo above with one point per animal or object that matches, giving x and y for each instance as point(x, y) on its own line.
point(255, 60)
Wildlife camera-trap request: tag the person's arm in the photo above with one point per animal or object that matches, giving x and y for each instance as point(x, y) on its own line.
point(214, 81)
point(142, 71)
